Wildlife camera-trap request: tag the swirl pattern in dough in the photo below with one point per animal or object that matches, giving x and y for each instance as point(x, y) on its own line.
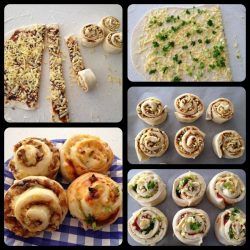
point(147, 188)
point(148, 226)
point(225, 188)
point(230, 227)
point(35, 157)
point(113, 43)
point(109, 24)
point(95, 200)
point(34, 204)
point(189, 142)
point(151, 142)
point(151, 111)
point(91, 35)
point(189, 107)
point(84, 153)
point(191, 225)
point(220, 110)
point(188, 189)
point(228, 144)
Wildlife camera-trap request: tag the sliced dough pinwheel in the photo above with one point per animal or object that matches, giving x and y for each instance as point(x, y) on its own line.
point(87, 79)
point(189, 142)
point(191, 225)
point(189, 107)
point(34, 157)
point(113, 43)
point(151, 111)
point(95, 200)
point(84, 153)
point(34, 204)
point(148, 226)
point(230, 227)
point(91, 35)
point(151, 142)
point(147, 188)
point(220, 110)
point(188, 189)
point(109, 24)
point(225, 188)
point(228, 144)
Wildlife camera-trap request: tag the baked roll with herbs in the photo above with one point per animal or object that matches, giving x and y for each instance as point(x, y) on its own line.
point(225, 188)
point(147, 188)
point(188, 189)
point(33, 205)
point(191, 225)
point(95, 200)
point(113, 43)
point(148, 226)
point(109, 24)
point(35, 157)
point(91, 35)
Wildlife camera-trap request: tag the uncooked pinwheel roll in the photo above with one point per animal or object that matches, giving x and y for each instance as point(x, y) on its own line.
point(188, 189)
point(189, 107)
point(230, 227)
point(84, 153)
point(113, 43)
point(148, 226)
point(147, 188)
point(220, 110)
point(34, 204)
point(91, 35)
point(225, 188)
point(151, 111)
point(189, 142)
point(151, 142)
point(191, 225)
point(95, 200)
point(34, 157)
point(109, 24)
point(228, 144)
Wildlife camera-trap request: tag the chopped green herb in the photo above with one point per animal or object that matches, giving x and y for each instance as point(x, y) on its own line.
point(176, 59)
point(221, 62)
point(183, 23)
point(199, 41)
point(195, 59)
point(202, 65)
point(207, 41)
point(231, 233)
point(164, 69)
point(188, 12)
point(212, 66)
point(90, 219)
point(152, 71)
point(171, 19)
point(166, 48)
point(151, 185)
point(195, 225)
point(199, 11)
point(155, 44)
point(235, 211)
point(199, 31)
point(160, 23)
point(162, 36)
point(176, 79)
point(134, 187)
point(210, 22)
point(148, 229)
point(188, 34)
point(192, 43)
point(214, 32)
point(185, 47)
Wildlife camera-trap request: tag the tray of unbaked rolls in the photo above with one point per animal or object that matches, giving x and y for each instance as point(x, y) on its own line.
point(186, 125)
point(63, 192)
point(177, 207)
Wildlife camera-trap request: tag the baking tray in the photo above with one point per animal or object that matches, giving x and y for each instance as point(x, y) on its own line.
point(167, 95)
point(169, 208)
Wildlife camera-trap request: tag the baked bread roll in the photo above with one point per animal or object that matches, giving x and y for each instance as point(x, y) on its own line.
point(151, 111)
point(189, 142)
point(91, 35)
point(95, 200)
point(34, 204)
point(113, 43)
point(151, 142)
point(147, 188)
point(220, 110)
point(35, 157)
point(225, 188)
point(188, 189)
point(148, 226)
point(109, 24)
point(230, 227)
point(84, 153)
point(191, 225)
point(189, 107)
point(228, 144)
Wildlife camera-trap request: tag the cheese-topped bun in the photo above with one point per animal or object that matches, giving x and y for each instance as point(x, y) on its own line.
point(34, 157)
point(191, 225)
point(225, 188)
point(188, 189)
point(147, 188)
point(148, 226)
point(91, 35)
point(228, 144)
point(151, 142)
point(152, 111)
point(109, 24)
point(113, 43)
point(33, 205)
point(220, 110)
point(95, 200)
point(230, 227)
point(84, 153)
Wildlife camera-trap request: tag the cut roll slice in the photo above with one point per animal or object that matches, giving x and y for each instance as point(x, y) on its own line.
point(109, 24)
point(91, 35)
point(148, 226)
point(87, 79)
point(113, 43)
